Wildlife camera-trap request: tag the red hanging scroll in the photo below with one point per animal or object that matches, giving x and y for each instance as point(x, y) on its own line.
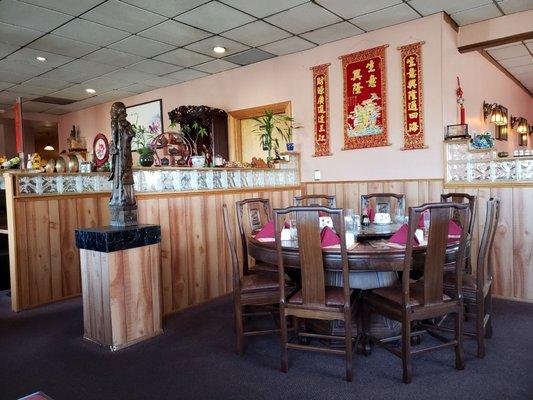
point(321, 107)
point(17, 113)
point(412, 88)
point(365, 99)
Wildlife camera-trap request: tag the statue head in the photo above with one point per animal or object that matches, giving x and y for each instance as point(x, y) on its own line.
point(118, 111)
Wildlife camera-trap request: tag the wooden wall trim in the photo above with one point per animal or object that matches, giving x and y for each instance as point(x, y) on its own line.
point(495, 42)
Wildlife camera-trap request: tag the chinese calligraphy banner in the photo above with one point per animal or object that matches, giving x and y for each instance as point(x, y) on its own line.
point(321, 107)
point(365, 101)
point(413, 125)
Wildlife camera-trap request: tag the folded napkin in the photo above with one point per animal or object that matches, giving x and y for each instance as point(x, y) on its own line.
point(267, 231)
point(421, 221)
point(454, 230)
point(400, 237)
point(328, 237)
point(371, 214)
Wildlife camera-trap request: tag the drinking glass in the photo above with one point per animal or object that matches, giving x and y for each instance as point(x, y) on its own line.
point(349, 221)
point(293, 230)
point(427, 216)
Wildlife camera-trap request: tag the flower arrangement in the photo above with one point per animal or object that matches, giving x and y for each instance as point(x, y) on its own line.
point(482, 141)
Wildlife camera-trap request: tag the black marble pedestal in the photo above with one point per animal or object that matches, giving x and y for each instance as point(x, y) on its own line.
point(107, 239)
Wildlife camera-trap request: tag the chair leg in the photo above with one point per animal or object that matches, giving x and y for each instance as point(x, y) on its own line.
point(365, 326)
point(459, 359)
point(480, 329)
point(284, 352)
point(239, 328)
point(348, 339)
point(406, 351)
point(488, 310)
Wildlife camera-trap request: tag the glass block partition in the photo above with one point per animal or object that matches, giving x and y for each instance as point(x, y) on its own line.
point(472, 167)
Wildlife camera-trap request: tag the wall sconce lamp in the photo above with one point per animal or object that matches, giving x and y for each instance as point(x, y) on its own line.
point(521, 124)
point(497, 113)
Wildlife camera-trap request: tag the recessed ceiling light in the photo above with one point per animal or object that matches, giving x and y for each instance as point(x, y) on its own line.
point(91, 91)
point(40, 58)
point(219, 49)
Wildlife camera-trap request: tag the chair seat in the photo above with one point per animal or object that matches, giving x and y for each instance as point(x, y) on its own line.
point(334, 297)
point(264, 267)
point(469, 282)
point(395, 294)
point(259, 282)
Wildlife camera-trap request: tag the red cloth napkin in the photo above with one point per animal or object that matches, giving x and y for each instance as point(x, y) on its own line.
point(400, 237)
point(328, 237)
point(267, 231)
point(454, 229)
point(421, 221)
point(371, 214)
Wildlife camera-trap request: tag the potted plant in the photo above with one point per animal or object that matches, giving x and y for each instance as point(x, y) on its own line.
point(267, 125)
point(142, 141)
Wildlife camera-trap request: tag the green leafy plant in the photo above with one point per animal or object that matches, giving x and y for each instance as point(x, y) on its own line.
point(268, 124)
point(142, 139)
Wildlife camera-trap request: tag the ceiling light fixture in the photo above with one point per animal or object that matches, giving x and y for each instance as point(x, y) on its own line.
point(91, 91)
point(219, 49)
point(40, 58)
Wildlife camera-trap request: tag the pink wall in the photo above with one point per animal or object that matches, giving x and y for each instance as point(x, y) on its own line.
point(289, 78)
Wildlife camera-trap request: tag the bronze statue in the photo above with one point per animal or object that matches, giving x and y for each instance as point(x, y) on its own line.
point(122, 205)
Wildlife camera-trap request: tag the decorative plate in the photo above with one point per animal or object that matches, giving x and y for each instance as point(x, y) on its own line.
point(100, 149)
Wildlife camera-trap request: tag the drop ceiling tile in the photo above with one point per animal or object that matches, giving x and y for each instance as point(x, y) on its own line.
point(262, 8)
point(7, 97)
point(58, 110)
point(123, 16)
point(516, 61)
point(128, 76)
point(214, 17)
point(71, 7)
point(174, 33)
point(60, 45)
point(76, 92)
point(6, 49)
point(185, 75)
point(70, 76)
point(249, 57)
point(256, 33)
point(303, 18)
point(138, 88)
point(512, 6)
point(17, 35)
point(48, 83)
point(116, 94)
point(387, 17)
point(13, 76)
point(477, 14)
point(215, 66)
point(30, 16)
point(141, 46)
point(206, 46)
point(154, 67)
point(102, 84)
point(427, 7)
point(5, 85)
point(517, 71)
point(510, 51)
point(525, 76)
point(160, 82)
point(28, 55)
point(112, 57)
point(529, 44)
point(90, 32)
point(353, 8)
point(183, 57)
point(331, 33)
point(88, 66)
point(287, 46)
point(20, 66)
point(34, 106)
point(30, 89)
point(169, 8)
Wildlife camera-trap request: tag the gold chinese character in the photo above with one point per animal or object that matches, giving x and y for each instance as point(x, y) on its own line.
point(320, 109)
point(321, 119)
point(412, 106)
point(321, 128)
point(411, 95)
point(413, 127)
point(320, 90)
point(411, 61)
point(356, 88)
point(321, 138)
point(411, 73)
point(411, 84)
point(356, 75)
point(320, 99)
point(372, 81)
point(413, 115)
point(319, 80)
point(370, 66)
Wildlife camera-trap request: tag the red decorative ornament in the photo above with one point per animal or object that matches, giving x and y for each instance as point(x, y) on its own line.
point(460, 102)
point(100, 150)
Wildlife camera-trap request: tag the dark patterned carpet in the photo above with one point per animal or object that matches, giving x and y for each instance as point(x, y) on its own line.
point(42, 349)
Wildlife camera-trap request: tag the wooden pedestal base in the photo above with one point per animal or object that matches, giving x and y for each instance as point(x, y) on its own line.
point(121, 295)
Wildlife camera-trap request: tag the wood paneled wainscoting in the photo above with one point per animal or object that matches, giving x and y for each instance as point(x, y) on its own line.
point(195, 264)
point(513, 244)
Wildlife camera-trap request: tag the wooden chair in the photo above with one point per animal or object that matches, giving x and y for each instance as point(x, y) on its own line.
point(314, 300)
point(462, 198)
point(384, 202)
point(412, 302)
point(249, 290)
point(316, 200)
point(477, 289)
point(259, 212)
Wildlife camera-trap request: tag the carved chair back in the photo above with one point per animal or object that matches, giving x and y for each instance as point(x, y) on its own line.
point(236, 276)
point(256, 212)
point(316, 200)
point(435, 256)
point(462, 198)
point(390, 203)
point(310, 253)
point(484, 259)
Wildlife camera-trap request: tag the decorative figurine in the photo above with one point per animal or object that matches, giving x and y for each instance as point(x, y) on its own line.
point(122, 205)
point(460, 102)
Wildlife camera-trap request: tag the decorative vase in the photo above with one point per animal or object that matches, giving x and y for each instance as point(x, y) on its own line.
point(198, 161)
point(146, 159)
point(290, 146)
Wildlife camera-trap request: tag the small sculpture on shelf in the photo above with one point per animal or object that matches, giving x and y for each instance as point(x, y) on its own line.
point(122, 205)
